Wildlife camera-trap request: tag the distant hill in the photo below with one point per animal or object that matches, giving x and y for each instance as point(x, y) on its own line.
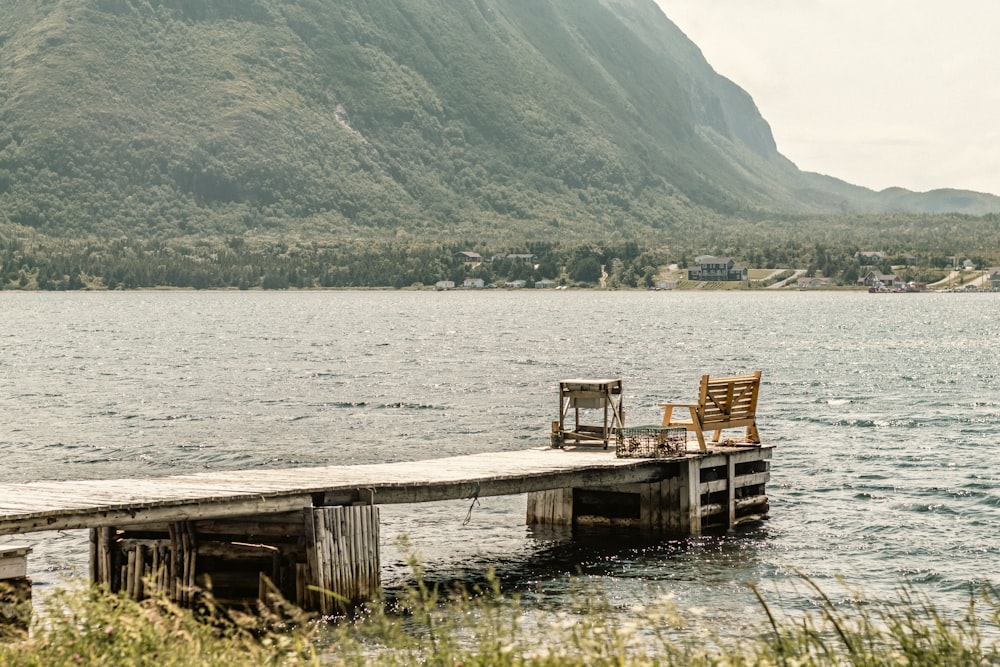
point(354, 119)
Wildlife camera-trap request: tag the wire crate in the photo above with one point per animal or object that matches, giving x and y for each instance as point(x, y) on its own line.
point(650, 442)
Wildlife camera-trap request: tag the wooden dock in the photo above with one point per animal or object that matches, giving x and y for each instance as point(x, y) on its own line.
point(40, 506)
point(297, 530)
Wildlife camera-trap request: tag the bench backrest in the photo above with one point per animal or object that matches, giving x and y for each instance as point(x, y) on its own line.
point(728, 399)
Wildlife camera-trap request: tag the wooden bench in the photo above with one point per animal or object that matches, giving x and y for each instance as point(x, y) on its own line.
point(725, 402)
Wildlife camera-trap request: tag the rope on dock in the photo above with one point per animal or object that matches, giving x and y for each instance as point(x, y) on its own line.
point(475, 501)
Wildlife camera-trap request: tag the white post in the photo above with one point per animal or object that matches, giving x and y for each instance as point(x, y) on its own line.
point(15, 589)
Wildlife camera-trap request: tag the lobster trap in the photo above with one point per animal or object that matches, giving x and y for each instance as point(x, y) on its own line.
point(650, 442)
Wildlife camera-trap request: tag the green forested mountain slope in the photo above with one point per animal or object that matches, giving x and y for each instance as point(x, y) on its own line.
point(353, 119)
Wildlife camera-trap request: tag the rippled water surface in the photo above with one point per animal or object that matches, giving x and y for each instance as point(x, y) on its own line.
point(884, 409)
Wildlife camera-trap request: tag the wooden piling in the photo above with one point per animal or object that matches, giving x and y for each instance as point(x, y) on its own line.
point(552, 506)
point(690, 497)
point(342, 552)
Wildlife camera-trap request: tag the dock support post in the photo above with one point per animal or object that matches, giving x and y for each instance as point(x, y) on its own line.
point(731, 492)
point(553, 507)
point(15, 591)
point(342, 552)
point(690, 500)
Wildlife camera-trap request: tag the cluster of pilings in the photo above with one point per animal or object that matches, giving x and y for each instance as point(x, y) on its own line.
point(719, 490)
point(323, 559)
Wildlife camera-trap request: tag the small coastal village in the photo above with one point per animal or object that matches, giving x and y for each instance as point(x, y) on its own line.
point(711, 273)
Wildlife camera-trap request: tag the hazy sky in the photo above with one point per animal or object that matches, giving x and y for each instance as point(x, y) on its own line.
point(875, 92)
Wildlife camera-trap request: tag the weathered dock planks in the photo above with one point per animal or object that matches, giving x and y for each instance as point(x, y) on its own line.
point(57, 505)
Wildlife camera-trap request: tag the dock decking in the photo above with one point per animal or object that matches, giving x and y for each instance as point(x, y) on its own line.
point(58, 505)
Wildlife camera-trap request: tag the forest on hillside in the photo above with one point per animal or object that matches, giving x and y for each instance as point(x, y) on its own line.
point(257, 144)
point(30, 263)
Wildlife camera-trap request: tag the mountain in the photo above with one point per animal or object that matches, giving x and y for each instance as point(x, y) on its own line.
point(355, 119)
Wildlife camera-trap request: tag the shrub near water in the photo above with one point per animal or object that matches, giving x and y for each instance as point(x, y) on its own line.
point(93, 628)
point(485, 629)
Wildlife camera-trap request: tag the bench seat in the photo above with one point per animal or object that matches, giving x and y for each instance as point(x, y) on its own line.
point(723, 403)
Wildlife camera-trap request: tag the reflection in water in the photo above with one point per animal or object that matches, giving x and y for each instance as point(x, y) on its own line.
point(553, 568)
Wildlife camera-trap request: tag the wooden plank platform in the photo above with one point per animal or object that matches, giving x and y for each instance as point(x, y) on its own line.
point(59, 505)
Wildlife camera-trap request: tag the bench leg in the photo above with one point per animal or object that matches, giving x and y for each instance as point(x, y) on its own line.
point(701, 440)
point(668, 412)
point(699, 430)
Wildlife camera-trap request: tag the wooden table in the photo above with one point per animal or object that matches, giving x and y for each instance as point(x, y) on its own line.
point(601, 399)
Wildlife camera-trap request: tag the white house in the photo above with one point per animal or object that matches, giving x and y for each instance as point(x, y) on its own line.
point(717, 268)
point(994, 273)
point(878, 279)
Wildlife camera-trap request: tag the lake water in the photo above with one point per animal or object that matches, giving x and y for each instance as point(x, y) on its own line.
point(884, 410)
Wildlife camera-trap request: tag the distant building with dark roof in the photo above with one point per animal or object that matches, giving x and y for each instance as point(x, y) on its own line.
point(717, 269)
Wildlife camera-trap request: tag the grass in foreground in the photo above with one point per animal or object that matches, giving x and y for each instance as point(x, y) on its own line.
point(484, 629)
